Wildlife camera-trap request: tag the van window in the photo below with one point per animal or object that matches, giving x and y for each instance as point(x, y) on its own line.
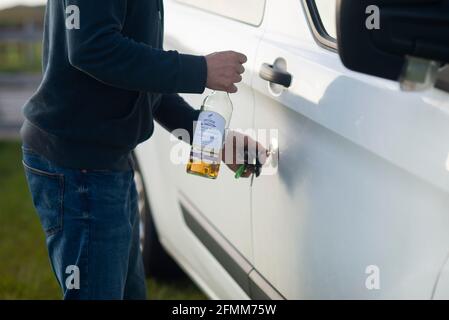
point(327, 12)
point(322, 21)
point(247, 11)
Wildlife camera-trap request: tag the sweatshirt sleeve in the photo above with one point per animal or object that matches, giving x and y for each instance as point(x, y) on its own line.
point(174, 113)
point(99, 49)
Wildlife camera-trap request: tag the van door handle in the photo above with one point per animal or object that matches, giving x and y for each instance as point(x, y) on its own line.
point(272, 74)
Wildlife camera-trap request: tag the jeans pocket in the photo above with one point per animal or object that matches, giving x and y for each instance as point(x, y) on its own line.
point(47, 192)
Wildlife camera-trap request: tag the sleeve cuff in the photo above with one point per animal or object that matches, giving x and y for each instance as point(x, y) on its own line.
point(192, 75)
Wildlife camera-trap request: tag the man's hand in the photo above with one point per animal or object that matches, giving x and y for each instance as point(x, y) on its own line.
point(224, 70)
point(234, 148)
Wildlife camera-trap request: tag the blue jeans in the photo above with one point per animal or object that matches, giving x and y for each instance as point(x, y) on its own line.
point(91, 223)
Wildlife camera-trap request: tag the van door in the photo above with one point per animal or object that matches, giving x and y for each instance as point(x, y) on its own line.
point(202, 27)
point(358, 207)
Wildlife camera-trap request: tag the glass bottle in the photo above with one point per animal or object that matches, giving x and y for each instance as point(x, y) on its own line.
point(214, 119)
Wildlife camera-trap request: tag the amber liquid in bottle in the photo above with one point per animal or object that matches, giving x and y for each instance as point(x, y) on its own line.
point(203, 169)
point(205, 155)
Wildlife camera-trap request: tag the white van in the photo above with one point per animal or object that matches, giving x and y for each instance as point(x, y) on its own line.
point(359, 204)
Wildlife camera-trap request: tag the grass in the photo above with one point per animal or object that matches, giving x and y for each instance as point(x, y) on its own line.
point(20, 57)
point(25, 271)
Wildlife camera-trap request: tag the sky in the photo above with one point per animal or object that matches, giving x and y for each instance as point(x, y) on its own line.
point(10, 3)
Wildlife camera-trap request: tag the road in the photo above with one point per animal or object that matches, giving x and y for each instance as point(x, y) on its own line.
point(15, 90)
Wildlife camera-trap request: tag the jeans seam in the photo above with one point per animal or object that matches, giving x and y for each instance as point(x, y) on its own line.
point(42, 172)
point(61, 199)
point(88, 227)
point(87, 259)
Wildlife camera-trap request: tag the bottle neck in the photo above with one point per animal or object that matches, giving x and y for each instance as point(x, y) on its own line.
point(219, 102)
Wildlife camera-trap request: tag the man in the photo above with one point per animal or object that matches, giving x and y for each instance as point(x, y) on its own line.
point(104, 82)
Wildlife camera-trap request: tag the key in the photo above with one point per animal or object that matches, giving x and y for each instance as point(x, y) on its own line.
point(256, 168)
point(240, 171)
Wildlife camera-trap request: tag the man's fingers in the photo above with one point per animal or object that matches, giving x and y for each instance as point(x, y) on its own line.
point(238, 78)
point(224, 70)
point(242, 58)
point(240, 69)
point(247, 173)
point(232, 89)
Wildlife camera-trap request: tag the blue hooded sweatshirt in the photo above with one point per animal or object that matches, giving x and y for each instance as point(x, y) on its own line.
point(105, 80)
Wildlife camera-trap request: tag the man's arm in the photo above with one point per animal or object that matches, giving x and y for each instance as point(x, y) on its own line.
point(175, 113)
point(99, 49)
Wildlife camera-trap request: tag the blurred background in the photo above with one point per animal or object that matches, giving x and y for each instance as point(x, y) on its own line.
point(25, 271)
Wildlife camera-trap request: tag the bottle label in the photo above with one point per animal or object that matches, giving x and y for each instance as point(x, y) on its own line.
point(209, 135)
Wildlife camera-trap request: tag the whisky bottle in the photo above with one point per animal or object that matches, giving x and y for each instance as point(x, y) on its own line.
point(205, 155)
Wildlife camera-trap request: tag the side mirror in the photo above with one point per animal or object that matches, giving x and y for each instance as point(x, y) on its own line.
point(393, 39)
